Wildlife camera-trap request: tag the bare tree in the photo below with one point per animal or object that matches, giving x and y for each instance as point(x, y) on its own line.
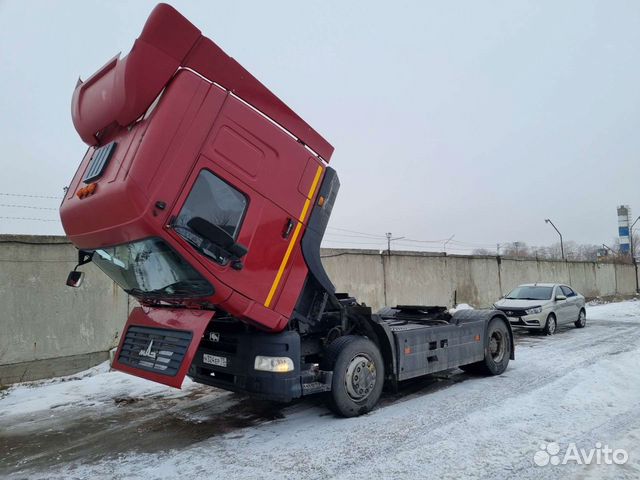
point(516, 249)
point(482, 252)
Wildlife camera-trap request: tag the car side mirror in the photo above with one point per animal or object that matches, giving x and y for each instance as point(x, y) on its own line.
point(561, 297)
point(75, 278)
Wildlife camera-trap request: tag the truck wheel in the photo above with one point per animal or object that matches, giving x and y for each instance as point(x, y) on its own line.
point(582, 319)
point(550, 326)
point(358, 375)
point(497, 350)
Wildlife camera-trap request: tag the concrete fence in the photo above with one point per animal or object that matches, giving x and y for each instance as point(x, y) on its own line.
point(417, 278)
point(49, 329)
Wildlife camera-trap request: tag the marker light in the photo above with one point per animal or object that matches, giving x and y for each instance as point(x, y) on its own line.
point(273, 364)
point(86, 191)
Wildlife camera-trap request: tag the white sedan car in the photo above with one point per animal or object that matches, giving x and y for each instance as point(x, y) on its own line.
point(543, 306)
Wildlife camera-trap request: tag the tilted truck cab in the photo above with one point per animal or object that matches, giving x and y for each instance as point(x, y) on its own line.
point(206, 198)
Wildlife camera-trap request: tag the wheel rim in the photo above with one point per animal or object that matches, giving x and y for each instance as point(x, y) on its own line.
point(497, 346)
point(361, 377)
point(582, 318)
point(552, 325)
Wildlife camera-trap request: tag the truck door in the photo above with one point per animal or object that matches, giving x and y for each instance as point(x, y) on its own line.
point(251, 220)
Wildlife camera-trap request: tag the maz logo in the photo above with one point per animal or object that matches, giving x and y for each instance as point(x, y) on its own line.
point(148, 353)
point(214, 336)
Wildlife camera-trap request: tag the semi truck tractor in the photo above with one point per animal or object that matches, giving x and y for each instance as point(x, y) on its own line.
point(206, 198)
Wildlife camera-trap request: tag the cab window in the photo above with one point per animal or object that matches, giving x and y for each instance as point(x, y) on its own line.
point(220, 204)
point(216, 201)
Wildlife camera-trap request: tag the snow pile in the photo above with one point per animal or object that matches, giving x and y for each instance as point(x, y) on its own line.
point(98, 385)
point(460, 306)
point(628, 311)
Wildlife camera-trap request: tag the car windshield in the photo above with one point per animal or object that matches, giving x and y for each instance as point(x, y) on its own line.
point(530, 293)
point(150, 268)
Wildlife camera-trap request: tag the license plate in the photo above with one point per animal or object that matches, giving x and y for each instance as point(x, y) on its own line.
point(214, 360)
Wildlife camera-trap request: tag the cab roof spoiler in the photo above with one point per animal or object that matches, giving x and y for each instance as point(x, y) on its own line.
point(123, 89)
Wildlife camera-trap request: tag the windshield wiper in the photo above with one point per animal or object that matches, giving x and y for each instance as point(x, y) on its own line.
point(182, 289)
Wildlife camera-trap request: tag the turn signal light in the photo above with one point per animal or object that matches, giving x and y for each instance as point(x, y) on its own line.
point(86, 191)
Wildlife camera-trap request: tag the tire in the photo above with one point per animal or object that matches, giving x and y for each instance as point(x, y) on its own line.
point(358, 375)
point(582, 319)
point(497, 350)
point(551, 325)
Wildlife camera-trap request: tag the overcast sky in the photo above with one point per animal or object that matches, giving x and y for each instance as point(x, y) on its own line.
point(473, 119)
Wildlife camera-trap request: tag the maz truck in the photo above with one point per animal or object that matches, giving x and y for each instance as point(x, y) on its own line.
point(206, 198)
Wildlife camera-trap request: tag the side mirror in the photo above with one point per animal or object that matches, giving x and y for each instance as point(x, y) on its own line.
point(75, 279)
point(561, 297)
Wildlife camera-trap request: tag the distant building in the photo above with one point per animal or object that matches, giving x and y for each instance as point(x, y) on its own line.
point(624, 220)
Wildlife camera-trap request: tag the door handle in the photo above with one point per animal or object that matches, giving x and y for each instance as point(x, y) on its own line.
point(288, 228)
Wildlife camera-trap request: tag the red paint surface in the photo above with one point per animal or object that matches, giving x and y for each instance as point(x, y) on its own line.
point(194, 321)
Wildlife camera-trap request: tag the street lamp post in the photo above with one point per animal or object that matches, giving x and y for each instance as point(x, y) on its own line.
point(556, 229)
point(633, 253)
point(631, 238)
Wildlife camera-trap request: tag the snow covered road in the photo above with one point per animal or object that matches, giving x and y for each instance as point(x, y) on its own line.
point(578, 387)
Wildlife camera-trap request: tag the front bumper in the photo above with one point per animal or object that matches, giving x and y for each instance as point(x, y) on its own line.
point(239, 349)
point(535, 321)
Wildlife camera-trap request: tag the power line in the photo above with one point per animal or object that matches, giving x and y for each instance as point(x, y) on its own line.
point(359, 233)
point(347, 235)
point(30, 218)
point(29, 196)
point(349, 242)
point(425, 241)
point(26, 206)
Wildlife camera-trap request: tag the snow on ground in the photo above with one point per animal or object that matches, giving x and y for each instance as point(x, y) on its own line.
point(580, 386)
point(92, 388)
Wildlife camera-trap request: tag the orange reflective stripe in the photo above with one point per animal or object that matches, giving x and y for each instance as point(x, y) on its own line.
point(294, 237)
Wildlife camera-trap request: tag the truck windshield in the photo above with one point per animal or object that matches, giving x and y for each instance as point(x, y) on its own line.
point(150, 268)
point(530, 293)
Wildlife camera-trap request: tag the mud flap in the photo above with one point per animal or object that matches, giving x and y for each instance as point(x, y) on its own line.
point(159, 344)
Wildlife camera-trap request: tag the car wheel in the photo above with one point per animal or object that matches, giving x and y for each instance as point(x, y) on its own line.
point(582, 319)
point(497, 350)
point(358, 375)
point(550, 326)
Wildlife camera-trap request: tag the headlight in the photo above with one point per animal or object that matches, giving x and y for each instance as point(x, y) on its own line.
point(273, 364)
point(533, 310)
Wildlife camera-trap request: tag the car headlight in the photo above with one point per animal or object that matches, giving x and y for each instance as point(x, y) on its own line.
point(533, 310)
point(273, 364)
